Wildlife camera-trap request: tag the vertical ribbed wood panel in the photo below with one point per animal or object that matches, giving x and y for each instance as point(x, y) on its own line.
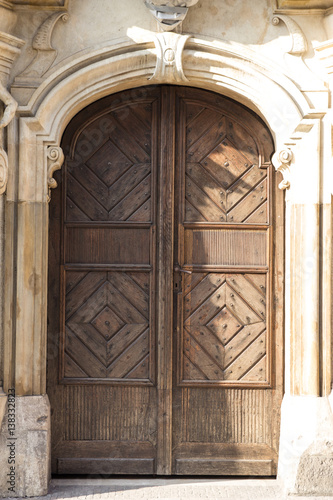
point(109, 413)
point(228, 416)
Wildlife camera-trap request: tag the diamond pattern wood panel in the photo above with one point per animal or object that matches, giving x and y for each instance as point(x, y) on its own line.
point(224, 329)
point(223, 182)
point(109, 178)
point(107, 325)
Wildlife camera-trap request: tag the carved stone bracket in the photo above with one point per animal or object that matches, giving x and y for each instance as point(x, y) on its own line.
point(46, 54)
point(298, 41)
point(169, 65)
point(10, 107)
point(169, 13)
point(3, 171)
point(55, 159)
point(281, 161)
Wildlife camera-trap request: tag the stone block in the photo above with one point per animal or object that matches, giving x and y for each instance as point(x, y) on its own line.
point(315, 470)
point(25, 449)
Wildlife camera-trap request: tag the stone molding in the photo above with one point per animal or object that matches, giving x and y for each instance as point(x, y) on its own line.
point(10, 48)
point(294, 7)
point(114, 67)
point(39, 4)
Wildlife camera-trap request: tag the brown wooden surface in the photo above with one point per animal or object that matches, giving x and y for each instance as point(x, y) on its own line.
point(152, 370)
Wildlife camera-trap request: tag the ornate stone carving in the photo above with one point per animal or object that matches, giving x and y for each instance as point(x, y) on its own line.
point(10, 107)
point(169, 13)
point(298, 41)
point(55, 159)
point(3, 171)
point(46, 54)
point(169, 65)
point(281, 161)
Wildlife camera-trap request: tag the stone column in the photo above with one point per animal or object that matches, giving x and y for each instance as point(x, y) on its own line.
point(306, 442)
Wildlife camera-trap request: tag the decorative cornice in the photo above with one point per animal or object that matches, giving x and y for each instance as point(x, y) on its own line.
point(169, 13)
point(301, 7)
point(298, 41)
point(40, 4)
point(3, 171)
point(10, 48)
point(55, 159)
point(281, 161)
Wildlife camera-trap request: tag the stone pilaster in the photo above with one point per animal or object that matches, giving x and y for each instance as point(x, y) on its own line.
point(306, 441)
point(10, 47)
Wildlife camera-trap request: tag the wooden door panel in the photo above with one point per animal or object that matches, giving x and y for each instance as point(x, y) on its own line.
point(224, 330)
point(107, 333)
point(102, 380)
point(224, 399)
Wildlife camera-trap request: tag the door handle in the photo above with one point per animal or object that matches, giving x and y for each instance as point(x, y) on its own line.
point(178, 269)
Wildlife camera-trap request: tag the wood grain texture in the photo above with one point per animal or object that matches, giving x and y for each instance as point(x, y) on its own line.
point(155, 370)
point(224, 390)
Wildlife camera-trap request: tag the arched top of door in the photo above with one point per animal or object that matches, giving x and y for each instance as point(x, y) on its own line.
point(93, 121)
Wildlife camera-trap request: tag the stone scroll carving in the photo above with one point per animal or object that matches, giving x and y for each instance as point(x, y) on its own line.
point(169, 13)
point(46, 54)
point(169, 65)
point(298, 41)
point(55, 159)
point(282, 161)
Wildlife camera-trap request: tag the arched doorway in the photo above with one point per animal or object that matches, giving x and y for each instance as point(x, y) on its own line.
point(162, 290)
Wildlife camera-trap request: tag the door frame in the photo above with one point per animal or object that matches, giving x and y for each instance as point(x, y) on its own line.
point(127, 65)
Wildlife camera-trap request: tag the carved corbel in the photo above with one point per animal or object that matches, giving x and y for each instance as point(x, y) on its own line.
point(282, 161)
point(169, 13)
point(3, 171)
point(169, 65)
point(55, 159)
point(298, 41)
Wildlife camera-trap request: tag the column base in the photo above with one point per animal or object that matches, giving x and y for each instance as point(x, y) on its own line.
point(306, 445)
point(25, 448)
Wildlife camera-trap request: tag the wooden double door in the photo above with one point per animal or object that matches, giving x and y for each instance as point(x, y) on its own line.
point(165, 289)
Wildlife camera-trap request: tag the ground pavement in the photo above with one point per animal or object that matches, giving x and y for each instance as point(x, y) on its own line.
point(169, 489)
